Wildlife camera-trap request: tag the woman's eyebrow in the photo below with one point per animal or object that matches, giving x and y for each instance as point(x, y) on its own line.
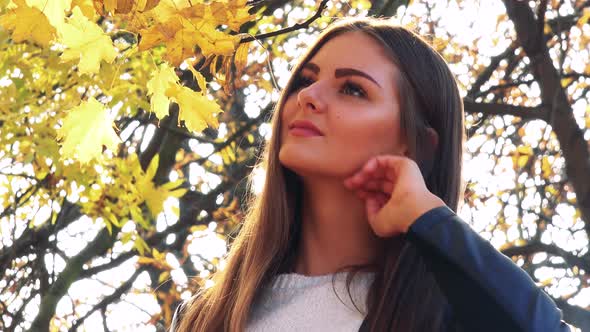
point(340, 72)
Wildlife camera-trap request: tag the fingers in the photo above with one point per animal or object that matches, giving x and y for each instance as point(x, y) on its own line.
point(371, 185)
point(382, 185)
point(371, 169)
point(373, 204)
point(389, 186)
point(373, 176)
point(372, 207)
point(368, 170)
point(395, 165)
point(390, 164)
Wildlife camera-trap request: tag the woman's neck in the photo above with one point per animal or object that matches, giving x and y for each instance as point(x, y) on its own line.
point(335, 231)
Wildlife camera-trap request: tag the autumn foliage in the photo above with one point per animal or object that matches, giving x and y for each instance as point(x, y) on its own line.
point(128, 128)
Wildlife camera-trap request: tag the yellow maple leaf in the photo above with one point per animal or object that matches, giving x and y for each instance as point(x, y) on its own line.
point(239, 2)
point(212, 41)
point(159, 33)
point(241, 58)
point(85, 130)
point(178, 34)
point(157, 86)
point(145, 5)
point(522, 155)
point(87, 8)
point(103, 7)
point(197, 76)
point(124, 6)
point(140, 245)
point(87, 42)
point(28, 23)
point(237, 16)
point(167, 9)
point(54, 10)
point(182, 46)
point(165, 13)
point(232, 14)
point(153, 195)
point(183, 32)
point(158, 260)
point(216, 12)
point(584, 18)
point(546, 167)
point(196, 110)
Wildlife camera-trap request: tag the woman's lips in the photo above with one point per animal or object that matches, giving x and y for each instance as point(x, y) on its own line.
point(303, 132)
point(305, 128)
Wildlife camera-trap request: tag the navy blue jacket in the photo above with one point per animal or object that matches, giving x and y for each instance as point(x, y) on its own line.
point(485, 289)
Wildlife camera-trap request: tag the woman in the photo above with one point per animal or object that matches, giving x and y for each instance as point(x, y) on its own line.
point(363, 179)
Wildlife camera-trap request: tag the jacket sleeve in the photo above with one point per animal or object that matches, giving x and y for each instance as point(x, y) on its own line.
point(486, 290)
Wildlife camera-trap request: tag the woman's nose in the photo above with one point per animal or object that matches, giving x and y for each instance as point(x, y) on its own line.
point(310, 98)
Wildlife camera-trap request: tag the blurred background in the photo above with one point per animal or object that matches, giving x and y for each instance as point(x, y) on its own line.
point(116, 244)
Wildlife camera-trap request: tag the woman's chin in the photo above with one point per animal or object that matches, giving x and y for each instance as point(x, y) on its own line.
point(313, 169)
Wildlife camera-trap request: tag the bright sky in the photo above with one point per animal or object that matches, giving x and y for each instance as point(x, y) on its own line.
point(476, 22)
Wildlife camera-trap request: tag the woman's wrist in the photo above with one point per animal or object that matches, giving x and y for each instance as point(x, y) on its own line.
point(423, 205)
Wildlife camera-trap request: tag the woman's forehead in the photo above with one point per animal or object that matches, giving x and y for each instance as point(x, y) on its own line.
point(354, 50)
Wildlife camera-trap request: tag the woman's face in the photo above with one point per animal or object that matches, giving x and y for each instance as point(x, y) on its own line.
point(347, 91)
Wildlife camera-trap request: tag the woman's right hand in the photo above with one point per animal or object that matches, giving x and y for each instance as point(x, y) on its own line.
point(394, 192)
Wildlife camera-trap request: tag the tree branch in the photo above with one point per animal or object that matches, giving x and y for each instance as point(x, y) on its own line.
point(100, 244)
point(523, 112)
point(31, 237)
point(574, 315)
point(297, 26)
point(487, 73)
point(107, 266)
point(560, 117)
point(380, 8)
point(102, 305)
point(499, 87)
point(536, 247)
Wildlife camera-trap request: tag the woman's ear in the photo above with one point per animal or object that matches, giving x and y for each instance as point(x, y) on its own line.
point(427, 152)
point(433, 137)
point(405, 151)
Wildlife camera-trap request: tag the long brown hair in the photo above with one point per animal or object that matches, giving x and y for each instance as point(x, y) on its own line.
point(404, 295)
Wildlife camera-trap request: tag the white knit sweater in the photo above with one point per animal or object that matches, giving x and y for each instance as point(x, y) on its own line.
point(295, 302)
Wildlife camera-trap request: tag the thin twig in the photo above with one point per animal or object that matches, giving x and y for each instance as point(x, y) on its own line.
point(295, 27)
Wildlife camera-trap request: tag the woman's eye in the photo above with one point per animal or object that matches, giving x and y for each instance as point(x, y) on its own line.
point(353, 89)
point(348, 88)
point(300, 82)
